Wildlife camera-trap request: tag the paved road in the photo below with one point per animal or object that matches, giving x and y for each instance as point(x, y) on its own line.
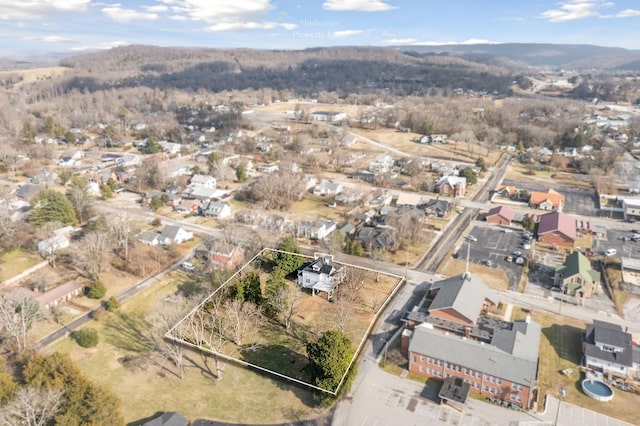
point(122, 297)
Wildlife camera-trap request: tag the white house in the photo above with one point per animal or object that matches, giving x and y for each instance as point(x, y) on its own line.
point(328, 188)
point(53, 244)
point(608, 349)
point(216, 210)
point(202, 180)
point(381, 164)
point(174, 235)
point(170, 147)
point(149, 238)
point(329, 116)
point(317, 229)
point(321, 275)
point(631, 207)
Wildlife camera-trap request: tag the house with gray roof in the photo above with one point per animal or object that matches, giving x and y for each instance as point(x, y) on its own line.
point(608, 349)
point(172, 234)
point(322, 274)
point(461, 299)
point(506, 368)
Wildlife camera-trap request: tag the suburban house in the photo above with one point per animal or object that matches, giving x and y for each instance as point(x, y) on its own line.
point(53, 244)
point(317, 229)
point(205, 193)
point(506, 191)
point(215, 209)
point(451, 186)
point(27, 191)
point(609, 350)
point(438, 208)
point(59, 294)
point(186, 206)
point(172, 234)
point(381, 164)
point(546, 200)
point(149, 238)
point(222, 254)
point(328, 188)
point(372, 238)
point(44, 176)
point(557, 228)
point(506, 369)
point(329, 116)
point(500, 215)
point(168, 418)
point(321, 275)
point(575, 276)
point(202, 180)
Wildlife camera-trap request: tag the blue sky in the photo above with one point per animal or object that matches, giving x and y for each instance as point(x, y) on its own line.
point(30, 26)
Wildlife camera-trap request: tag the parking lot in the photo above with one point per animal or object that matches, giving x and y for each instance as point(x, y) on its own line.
point(614, 240)
point(493, 244)
point(578, 201)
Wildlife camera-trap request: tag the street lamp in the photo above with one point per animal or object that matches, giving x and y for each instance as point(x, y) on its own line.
point(561, 394)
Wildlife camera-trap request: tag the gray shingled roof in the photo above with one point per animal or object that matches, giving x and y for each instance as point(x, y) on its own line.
point(464, 295)
point(475, 355)
point(522, 340)
point(612, 335)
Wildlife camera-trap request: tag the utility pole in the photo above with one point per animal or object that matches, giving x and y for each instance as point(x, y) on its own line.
point(561, 394)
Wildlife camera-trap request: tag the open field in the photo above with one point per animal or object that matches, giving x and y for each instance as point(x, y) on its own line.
point(241, 396)
point(561, 348)
point(16, 261)
point(34, 74)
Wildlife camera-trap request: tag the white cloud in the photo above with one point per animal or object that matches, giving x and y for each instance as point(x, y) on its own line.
point(117, 13)
point(358, 5)
point(56, 39)
point(241, 26)
point(216, 11)
point(99, 46)
point(571, 10)
point(628, 13)
point(157, 8)
point(415, 42)
point(38, 9)
point(346, 33)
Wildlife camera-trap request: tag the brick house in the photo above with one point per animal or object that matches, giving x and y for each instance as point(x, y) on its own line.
point(451, 186)
point(506, 369)
point(222, 254)
point(500, 215)
point(557, 229)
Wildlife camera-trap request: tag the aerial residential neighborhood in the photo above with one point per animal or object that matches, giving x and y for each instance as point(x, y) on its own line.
point(337, 235)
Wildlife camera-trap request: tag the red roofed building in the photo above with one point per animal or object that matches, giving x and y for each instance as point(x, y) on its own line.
point(500, 215)
point(557, 228)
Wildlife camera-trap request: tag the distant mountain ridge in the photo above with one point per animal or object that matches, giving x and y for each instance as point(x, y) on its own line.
point(570, 56)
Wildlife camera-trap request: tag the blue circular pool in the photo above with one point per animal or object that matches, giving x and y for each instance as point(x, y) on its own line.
point(597, 389)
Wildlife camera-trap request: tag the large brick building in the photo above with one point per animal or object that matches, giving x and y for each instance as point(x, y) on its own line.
point(500, 215)
point(507, 368)
point(557, 229)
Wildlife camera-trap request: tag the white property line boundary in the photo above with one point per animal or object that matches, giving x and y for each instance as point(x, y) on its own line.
point(169, 335)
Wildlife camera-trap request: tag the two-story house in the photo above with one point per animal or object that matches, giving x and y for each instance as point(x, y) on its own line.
point(322, 274)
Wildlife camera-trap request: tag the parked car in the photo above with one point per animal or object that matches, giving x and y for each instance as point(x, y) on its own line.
point(188, 266)
point(520, 260)
point(471, 238)
point(610, 252)
point(509, 258)
point(526, 246)
point(488, 263)
point(517, 253)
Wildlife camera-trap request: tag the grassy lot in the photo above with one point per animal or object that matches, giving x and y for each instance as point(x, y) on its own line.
point(613, 272)
point(16, 261)
point(242, 396)
point(561, 348)
point(492, 277)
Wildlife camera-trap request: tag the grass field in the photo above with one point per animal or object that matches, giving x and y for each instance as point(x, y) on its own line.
point(241, 396)
point(16, 261)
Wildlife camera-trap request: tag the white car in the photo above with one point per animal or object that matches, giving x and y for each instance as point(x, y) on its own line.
point(188, 266)
point(471, 238)
point(610, 252)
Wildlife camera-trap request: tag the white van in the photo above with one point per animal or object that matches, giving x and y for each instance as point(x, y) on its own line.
point(610, 252)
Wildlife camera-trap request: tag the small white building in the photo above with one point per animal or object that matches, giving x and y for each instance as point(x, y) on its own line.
point(316, 230)
point(172, 234)
point(321, 275)
point(329, 116)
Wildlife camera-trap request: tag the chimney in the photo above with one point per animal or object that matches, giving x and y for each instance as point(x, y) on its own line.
point(528, 319)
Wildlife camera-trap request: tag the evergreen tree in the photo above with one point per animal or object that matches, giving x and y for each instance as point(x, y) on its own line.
point(51, 206)
point(288, 262)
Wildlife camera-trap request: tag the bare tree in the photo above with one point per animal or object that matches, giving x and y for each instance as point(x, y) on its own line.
point(162, 321)
point(78, 194)
point(243, 319)
point(209, 328)
point(122, 231)
point(285, 300)
point(32, 406)
point(16, 319)
point(91, 253)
